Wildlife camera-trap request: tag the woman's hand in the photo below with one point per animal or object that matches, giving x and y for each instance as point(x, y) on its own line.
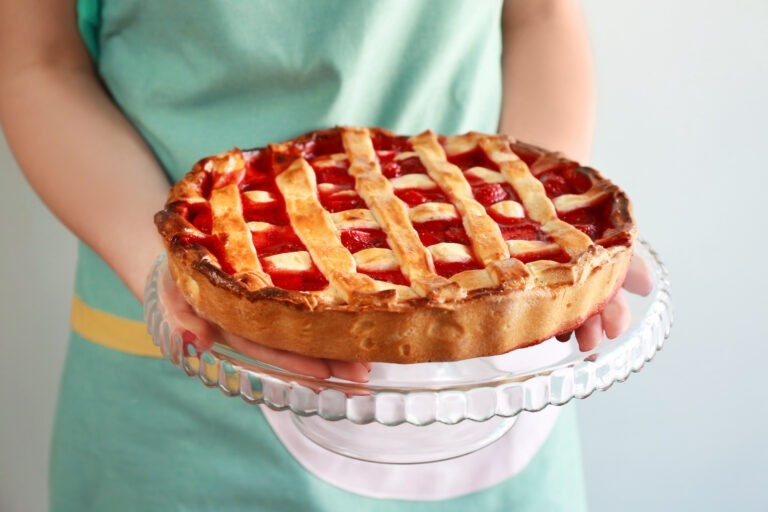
point(202, 334)
point(615, 318)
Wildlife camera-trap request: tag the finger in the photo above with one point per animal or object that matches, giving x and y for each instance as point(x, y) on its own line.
point(195, 330)
point(171, 296)
point(187, 319)
point(638, 280)
point(184, 317)
point(355, 372)
point(167, 289)
point(590, 333)
point(616, 316)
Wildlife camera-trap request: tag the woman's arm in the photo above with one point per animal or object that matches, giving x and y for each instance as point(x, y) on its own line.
point(88, 163)
point(548, 78)
point(82, 157)
point(549, 101)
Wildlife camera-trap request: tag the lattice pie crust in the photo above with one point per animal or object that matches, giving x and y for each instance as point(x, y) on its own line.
point(357, 244)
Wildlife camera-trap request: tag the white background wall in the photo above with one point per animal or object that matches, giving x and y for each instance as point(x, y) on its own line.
point(682, 126)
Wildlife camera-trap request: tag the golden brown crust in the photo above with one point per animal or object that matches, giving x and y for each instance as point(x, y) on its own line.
point(485, 324)
point(505, 306)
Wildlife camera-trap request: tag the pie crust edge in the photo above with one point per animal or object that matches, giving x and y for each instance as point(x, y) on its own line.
point(484, 324)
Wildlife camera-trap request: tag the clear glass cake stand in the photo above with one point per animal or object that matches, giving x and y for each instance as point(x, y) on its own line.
point(433, 411)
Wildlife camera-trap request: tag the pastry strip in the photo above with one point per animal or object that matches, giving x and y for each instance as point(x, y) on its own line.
point(487, 242)
point(392, 214)
point(315, 228)
point(533, 196)
point(569, 202)
point(227, 218)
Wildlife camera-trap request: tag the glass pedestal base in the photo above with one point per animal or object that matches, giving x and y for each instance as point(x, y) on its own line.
point(404, 443)
point(431, 411)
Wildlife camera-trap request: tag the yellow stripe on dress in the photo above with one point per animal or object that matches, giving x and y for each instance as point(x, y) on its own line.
point(111, 331)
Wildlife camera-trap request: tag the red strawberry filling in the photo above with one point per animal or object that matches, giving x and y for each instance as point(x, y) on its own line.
point(311, 280)
point(356, 240)
point(435, 232)
point(276, 240)
point(490, 193)
point(474, 158)
point(414, 197)
point(450, 268)
point(338, 175)
point(558, 177)
point(390, 276)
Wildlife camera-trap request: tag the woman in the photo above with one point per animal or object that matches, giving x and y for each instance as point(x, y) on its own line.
point(106, 103)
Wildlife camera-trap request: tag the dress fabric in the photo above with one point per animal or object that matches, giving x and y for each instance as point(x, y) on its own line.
point(198, 77)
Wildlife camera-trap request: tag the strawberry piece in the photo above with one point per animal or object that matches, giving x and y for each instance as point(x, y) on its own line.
point(558, 255)
point(528, 154)
point(554, 185)
point(456, 234)
point(435, 195)
point(386, 142)
point(206, 185)
point(412, 197)
point(474, 158)
point(276, 240)
point(273, 215)
point(520, 231)
point(341, 203)
point(202, 219)
point(255, 181)
point(391, 169)
point(579, 181)
point(428, 237)
point(585, 220)
point(390, 276)
point(197, 214)
point(313, 280)
point(327, 143)
point(358, 239)
point(438, 231)
point(287, 280)
point(412, 166)
point(581, 216)
point(447, 269)
point(336, 175)
point(490, 193)
point(309, 280)
point(591, 230)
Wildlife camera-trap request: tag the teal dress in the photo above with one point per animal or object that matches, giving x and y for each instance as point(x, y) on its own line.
point(198, 77)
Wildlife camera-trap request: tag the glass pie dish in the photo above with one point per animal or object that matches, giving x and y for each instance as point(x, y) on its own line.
point(429, 411)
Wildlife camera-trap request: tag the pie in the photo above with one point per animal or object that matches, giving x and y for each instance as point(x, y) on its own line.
point(359, 244)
